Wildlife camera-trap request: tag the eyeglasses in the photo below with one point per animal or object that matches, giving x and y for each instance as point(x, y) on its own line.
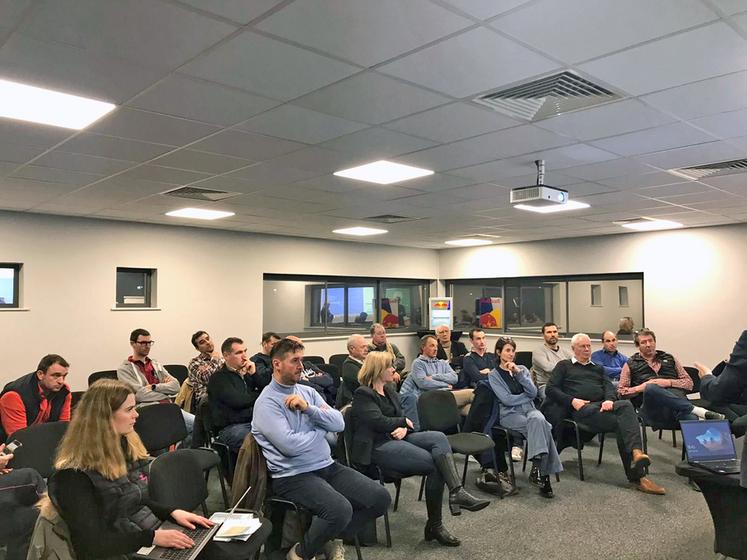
point(145, 342)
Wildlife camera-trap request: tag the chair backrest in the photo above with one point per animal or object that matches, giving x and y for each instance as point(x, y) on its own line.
point(160, 425)
point(333, 371)
point(523, 358)
point(693, 373)
point(347, 432)
point(177, 481)
point(179, 371)
point(437, 410)
point(206, 415)
point(96, 375)
point(337, 359)
point(75, 397)
point(316, 360)
point(39, 447)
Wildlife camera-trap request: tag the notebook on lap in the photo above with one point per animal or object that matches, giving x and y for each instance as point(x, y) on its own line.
point(710, 445)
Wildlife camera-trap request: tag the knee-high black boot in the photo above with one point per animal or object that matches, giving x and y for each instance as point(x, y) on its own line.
point(458, 496)
point(434, 528)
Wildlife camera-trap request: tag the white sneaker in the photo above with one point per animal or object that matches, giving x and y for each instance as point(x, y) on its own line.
point(517, 454)
point(293, 555)
point(334, 550)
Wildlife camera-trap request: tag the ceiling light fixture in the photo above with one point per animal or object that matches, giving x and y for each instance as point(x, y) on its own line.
point(199, 214)
point(383, 172)
point(360, 231)
point(467, 242)
point(570, 205)
point(44, 106)
point(650, 224)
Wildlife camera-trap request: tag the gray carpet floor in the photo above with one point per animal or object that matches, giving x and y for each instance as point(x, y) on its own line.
point(600, 518)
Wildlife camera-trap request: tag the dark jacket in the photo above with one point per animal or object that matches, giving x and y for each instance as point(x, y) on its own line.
point(472, 363)
point(231, 397)
point(369, 423)
point(458, 351)
point(730, 387)
point(349, 382)
point(27, 387)
point(571, 380)
point(250, 470)
point(264, 369)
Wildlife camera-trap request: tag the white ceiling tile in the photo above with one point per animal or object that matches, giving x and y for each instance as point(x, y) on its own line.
point(151, 127)
point(585, 189)
point(484, 9)
point(269, 173)
point(470, 63)
point(736, 184)
point(246, 145)
point(11, 11)
point(81, 162)
point(642, 181)
point(319, 160)
point(724, 125)
point(300, 124)
point(705, 52)
point(693, 155)
point(453, 122)
point(227, 183)
point(741, 21)
point(18, 153)
point(484, 192)
point(554, 178)
point(267, 67)
point(674, 190)
point(112, 147)
point(606, 169)
point(706, 97)
point(706, 199)
point(52, 175)
point(239, 11)
point(364, 32)
point(160, 174)
point(730, 7)
point(378, 143)
point(30, 134)
point(657, 139)
point(607, 120)
point(585, 29)
point(497, 171)
point(201, 101)
point(201, 161)
point(371, 98)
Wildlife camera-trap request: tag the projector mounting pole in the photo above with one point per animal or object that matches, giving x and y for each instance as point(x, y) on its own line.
point(540, 163)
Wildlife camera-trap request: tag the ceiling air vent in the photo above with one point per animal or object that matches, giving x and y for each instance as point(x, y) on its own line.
point(390, 219)
point(712, 169)
point(547, 97)
point(197, 193)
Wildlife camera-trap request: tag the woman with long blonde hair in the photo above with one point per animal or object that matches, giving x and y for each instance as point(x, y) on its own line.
point(383, 436)
point(101, 484)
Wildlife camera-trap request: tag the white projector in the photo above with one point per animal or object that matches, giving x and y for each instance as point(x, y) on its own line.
point(539, 195)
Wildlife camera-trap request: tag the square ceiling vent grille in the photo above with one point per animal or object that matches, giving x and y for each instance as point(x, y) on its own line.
point(547, 97)
point(731, 167)
point(197, 193)
point(390, 219)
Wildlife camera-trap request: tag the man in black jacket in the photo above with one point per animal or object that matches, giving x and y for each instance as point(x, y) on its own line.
point(262, 359)
point(585, 392)
point(452, 351)
point(232, 391)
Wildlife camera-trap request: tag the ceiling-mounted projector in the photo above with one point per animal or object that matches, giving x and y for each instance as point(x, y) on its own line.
point(539, 195)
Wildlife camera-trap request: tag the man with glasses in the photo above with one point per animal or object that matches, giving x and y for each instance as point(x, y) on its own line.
point(148, 378)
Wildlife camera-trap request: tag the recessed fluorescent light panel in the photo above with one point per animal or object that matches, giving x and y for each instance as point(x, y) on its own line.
point(383, 172)
point(467, 242)
point(199, 214)
point(570, 205)
point(360, 231)
point(649, 224)
point(44, 106)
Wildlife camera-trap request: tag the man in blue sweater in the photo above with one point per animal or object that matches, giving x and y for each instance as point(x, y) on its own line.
point(290, 424)
point(610, 358)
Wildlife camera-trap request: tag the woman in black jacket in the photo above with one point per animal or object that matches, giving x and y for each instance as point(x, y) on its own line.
point(383, 436)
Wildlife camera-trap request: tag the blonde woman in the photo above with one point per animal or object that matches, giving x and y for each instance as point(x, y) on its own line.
point(382, 436)
point(101, 486)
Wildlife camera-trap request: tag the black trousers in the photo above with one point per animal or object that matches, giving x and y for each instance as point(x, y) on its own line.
point(19, 491)
point(622, 420)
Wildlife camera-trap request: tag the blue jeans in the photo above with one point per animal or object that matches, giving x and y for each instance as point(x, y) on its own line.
point(662, 408)
point(233, 435)
point(340, 499)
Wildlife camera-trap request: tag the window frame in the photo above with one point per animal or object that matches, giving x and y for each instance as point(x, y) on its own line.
point(150, 283)
point(16, 267)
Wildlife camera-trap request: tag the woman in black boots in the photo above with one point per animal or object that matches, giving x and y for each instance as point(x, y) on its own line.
point(383, 436)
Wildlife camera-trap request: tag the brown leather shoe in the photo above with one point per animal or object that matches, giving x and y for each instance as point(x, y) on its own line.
point(648, 486)
point(640, 462)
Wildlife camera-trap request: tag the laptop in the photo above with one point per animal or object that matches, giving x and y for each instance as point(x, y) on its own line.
point(710, 445)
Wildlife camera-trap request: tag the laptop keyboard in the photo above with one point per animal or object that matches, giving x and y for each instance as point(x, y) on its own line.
point(197, 535)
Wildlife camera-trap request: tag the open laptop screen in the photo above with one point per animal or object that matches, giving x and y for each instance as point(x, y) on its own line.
point(708, 440)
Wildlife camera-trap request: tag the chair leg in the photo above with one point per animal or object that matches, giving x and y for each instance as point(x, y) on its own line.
point(580, 457)
point(205, 509)
point(422, 488)
point(464, 474)
point(358, 548)
point(398, 486)
point(660, 431)
point(601, 449)
point(222, 481)
point(526, 449)
point(674, 438)
point(510, 461)
point(644, 439)
point(557, 477)
point(387, 531)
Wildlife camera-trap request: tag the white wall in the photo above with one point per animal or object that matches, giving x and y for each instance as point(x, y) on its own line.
point(207, 279)
point(694, 287)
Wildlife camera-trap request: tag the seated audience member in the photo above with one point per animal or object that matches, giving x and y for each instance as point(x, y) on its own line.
point(730, 386)
point(513, 387)
point(379, 343)
point(582, 391)
point(382, 436)
point(452, 351)
point(19, 491)
point(357, 352)
point(479, 362)
point(656, 383)
point(262, 359)
point(545, 358)
point(148, 378)
point(609, 357)
point(625, 328)
point(429, 373)
point(101, 485)
point(232, 394)
point(291, 423)
point(313, 376)
point(205, 364)
point(38, 397)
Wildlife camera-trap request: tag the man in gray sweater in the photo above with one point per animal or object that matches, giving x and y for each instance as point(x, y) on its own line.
point(546, 358)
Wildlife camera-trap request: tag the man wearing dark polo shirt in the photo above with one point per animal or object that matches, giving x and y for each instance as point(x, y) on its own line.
point(477, 364)
point(587, 394)
point(36, 398)
point(262, 360)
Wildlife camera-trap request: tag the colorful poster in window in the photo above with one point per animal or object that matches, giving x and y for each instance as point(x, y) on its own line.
point(490, 311)
point(440, 312)
point(388, 319)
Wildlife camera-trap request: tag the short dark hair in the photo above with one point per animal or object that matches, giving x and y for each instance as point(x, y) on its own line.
point(269, 335)
point(548, 324)
point(424, 340)
point(134, 335)
point(284, 347)
point(644, 332)
point(49, 360)
point(225, 348)
point(500, 343)
point(473, 331)
point(197, 335)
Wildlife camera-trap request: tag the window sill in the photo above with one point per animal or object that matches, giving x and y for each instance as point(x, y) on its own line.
point(14, 309)
point(135, 309)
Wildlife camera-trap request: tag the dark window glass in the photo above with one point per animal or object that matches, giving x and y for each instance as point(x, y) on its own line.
point(10, 274)
point(134, 287)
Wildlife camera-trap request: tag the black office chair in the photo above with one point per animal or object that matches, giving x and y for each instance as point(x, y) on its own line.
point(179, 371)
point(437, 410)
point(39, 447)
point(96, 375)
point(523, 358)
point(75, 397)
point(227, 457)
point(579, 430)
point(316, 360)
point(161, 425)
point(333, 371)
point(511, 437)
point(337, 360)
